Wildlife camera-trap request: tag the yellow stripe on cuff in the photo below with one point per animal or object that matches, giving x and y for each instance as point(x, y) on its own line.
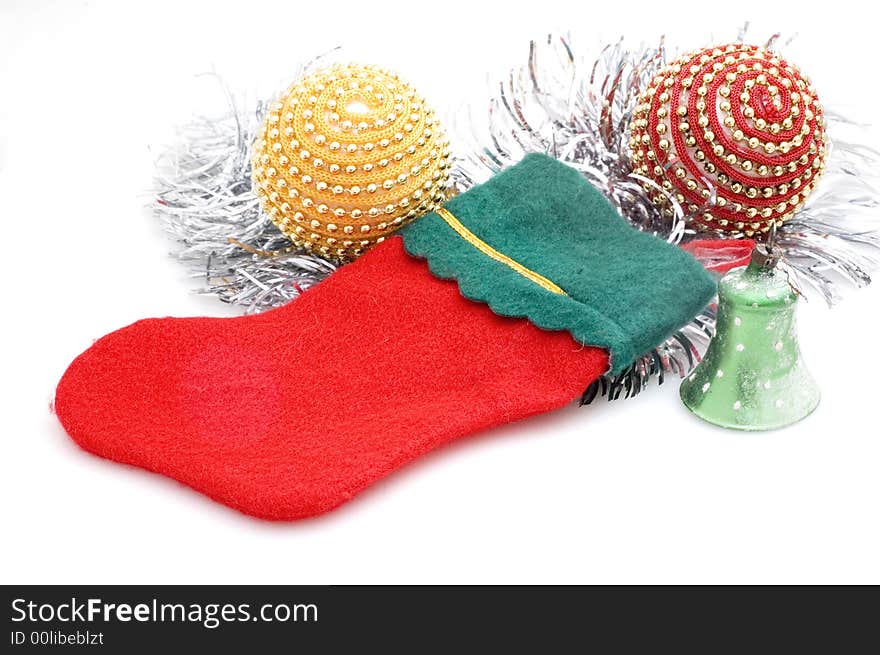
point(489, 251)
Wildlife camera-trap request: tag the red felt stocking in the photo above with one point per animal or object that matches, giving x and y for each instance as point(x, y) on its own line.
point(289, 413)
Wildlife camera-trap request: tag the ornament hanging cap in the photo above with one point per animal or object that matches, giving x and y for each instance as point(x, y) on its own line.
point(765, 255)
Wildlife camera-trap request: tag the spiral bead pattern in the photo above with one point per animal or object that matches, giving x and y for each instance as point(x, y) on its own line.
point(346, 156)
point(734, 133)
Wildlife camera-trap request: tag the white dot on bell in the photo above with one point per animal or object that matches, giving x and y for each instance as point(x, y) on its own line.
point(737, 405)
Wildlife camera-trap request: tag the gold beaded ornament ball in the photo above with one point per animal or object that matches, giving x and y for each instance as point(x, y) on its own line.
point(346, 156)
point(734, 133)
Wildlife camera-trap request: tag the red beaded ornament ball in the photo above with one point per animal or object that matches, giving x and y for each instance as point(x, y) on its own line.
point(735, 134)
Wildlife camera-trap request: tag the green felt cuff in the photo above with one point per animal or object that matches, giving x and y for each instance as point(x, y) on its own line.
point(625, 291)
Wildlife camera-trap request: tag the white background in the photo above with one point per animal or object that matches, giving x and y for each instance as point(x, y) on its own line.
point(636, 491)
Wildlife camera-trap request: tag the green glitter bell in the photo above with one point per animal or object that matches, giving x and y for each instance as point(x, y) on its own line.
point(753, 376)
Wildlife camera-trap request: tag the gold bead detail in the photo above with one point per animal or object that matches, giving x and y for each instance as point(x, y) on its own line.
point(366, 147)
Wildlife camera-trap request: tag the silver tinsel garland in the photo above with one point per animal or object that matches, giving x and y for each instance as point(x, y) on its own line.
point(203, 196)
point(562, 103)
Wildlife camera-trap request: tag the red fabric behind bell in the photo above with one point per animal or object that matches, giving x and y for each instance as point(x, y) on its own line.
point(289, 413)
point(721, 255)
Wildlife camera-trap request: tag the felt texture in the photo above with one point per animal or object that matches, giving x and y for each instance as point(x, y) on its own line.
point(289, 413)
point(626, 290)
